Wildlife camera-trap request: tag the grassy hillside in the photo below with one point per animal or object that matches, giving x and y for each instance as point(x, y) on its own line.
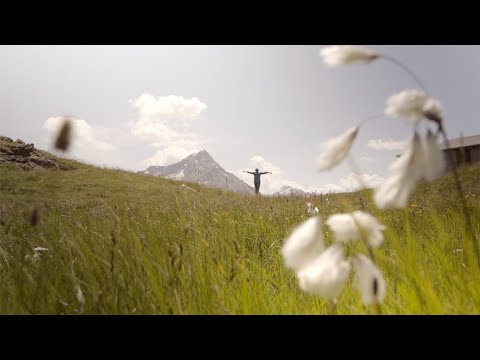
point(124, 243)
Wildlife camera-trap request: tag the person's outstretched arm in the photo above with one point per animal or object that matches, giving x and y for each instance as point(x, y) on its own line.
point(249, 172)
point(263, 173)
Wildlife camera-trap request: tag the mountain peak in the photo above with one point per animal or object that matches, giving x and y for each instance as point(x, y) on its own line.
point(201, 168)
point(199, 153)
point(203, 154)
point(290, 190)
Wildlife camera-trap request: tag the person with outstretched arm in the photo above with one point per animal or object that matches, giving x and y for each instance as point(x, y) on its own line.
point(256, 178)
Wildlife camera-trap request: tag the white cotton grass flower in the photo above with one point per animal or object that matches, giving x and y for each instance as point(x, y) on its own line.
point(406, 171)
point(336, 149)
point(346, 55)
point(327, 274)
point(311, 210)
point(80, 297)
point(40, 249)
point(433, 157)
point(432, 110)
point(413, 106)
point(354, 226)
point(369, 280)
point(304, 244)
point(37, 254)
point(423, 160)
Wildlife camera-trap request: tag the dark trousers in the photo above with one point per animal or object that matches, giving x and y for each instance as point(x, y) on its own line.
point(257, 187)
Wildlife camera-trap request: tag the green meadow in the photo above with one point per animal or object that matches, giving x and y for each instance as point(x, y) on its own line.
point(125, 243)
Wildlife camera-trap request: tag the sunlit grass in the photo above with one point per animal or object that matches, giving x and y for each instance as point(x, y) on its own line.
point(141, 245)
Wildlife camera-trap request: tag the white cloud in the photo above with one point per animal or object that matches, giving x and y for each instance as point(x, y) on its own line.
point(355, 181)
point(270, 182)
point(168, 155)
point(351, 182)
point(84, 136)
point(168, 107)
point(164, 122)
point(386, 144)
point(326, 189)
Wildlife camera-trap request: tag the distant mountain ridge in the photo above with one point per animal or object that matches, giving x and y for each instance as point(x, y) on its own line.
point(201, 168)
point(289, 190)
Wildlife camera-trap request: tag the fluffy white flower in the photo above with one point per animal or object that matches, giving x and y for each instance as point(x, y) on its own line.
point(80, 297)
point(433, 157)
point(422, 160)
point(304, 244)
point(406, 171)
point(351, 227)
point(432, 109)
point(311, 210)
point(369, 280)
point(336, 149)
point(413, 105)
point(326, 275)
point(40, 249)
point(370, 225)
point(344, 227)
point(347, 54)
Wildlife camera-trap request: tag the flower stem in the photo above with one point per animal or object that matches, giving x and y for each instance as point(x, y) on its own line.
point(370, 118)
point(332, 308)
point(377, 308)
point(370, 253)
point(405, 68)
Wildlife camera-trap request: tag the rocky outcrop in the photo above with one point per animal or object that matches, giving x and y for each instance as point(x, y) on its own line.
point(24, 155)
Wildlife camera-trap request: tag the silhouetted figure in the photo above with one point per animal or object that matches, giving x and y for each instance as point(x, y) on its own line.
point(256, 178)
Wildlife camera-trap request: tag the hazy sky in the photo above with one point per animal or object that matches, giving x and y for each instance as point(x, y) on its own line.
point(248, 106)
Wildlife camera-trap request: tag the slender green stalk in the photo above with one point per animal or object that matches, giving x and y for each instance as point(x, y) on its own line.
point(332, 308)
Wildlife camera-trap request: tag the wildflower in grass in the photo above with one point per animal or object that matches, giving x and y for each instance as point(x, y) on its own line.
point(413, 106)
point(433, 158)
point(40, 249)
point(37, 253)
point(304, 244)
point(406, 171)
point(326, 275)
point(355, 226)
point(62, 142)
point(369, 280)
point(325, 272)
point(80, 297)
point(346, 55)
point(311, 210)
point(422, 160)
point(336, 149)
